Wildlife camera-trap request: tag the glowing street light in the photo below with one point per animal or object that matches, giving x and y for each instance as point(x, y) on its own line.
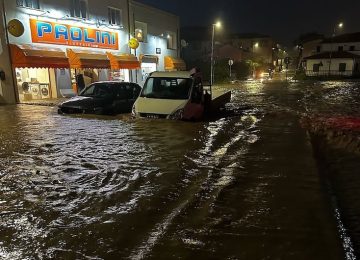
point(215, 25)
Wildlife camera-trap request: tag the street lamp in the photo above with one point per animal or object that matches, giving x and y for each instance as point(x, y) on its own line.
point(215, 25)
point(338, 26)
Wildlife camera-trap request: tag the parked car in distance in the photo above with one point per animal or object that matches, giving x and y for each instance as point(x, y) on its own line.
point(107, 97)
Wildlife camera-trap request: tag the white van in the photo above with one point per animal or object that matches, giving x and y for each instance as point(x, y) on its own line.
point(171, 95)
point(174, 95)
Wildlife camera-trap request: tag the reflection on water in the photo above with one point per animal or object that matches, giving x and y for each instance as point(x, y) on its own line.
point(240, 186)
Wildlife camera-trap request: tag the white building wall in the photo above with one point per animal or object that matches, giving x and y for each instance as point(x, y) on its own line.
point(334, 67)
point(159, 25)
point(326, 47)
point(7, 93)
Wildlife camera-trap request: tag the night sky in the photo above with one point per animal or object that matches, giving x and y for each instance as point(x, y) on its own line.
point(282, 19)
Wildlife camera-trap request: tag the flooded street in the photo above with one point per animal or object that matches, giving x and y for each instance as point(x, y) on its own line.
point(245, 185)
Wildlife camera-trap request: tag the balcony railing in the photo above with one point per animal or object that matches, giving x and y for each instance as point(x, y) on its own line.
point(331, 73)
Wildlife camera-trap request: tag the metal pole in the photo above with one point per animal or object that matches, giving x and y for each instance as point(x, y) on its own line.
point(331, 50)
point(230, 72)
point(212, 58)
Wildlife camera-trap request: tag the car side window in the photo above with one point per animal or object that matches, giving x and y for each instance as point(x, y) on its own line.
point(88, 91)
point(121, 92)
point(102, 91)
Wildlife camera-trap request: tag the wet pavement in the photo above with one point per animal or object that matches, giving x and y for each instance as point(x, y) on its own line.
point(248, 184)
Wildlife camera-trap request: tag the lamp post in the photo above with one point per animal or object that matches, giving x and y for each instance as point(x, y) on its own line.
point(215, 25)
point(339, 26)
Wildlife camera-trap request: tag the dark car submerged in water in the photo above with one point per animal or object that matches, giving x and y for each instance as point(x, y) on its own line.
point(108, 97)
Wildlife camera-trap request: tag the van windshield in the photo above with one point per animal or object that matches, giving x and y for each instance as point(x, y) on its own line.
point(167, 88)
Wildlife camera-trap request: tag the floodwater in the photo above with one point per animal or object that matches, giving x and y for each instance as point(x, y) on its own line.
point(243, 185)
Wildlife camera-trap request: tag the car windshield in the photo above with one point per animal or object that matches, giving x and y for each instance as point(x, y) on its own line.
point(167, 88)
point(97, 90)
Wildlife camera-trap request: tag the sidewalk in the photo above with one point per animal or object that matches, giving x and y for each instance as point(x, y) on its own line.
point(45, 102)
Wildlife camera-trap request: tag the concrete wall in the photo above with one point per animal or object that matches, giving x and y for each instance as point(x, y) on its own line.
point(7, 90)
point(310, 48)
point(159, 24)
point(346, 47)
point(334, 67)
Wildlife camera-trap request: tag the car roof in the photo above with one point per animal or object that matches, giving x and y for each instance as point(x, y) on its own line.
point(113, 82)
point(171, 74)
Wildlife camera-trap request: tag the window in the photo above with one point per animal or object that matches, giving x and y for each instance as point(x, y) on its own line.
point(171, 41)
point(352, 48)
point(140, 31)
point(342, 67)
point(28, 3)
point(340, 48)
point(79, 8)
point(318, 49)
point(167, 88)
point(114, 16)
point(316, 67)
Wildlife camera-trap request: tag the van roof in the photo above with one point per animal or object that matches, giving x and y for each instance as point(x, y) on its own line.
point(172, 74)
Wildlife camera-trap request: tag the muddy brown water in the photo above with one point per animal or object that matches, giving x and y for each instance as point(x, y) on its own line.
point(243, 185)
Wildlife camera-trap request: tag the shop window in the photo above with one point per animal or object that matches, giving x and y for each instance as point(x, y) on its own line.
point(79, 8)
point(342, 67)
point(115, 17)
point(140, 31)
point(28, 3)
point(33, 84)
point(171, 41)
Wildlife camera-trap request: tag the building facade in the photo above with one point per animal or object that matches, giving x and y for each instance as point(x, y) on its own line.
point(335, 56)
point(51, 49)
point(158, 34)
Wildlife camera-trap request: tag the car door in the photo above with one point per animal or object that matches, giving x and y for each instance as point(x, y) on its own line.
point(103, 98)
point(121, 99)
point(135, 90)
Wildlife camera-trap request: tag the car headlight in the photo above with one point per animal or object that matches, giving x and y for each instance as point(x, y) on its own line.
point(177, 115)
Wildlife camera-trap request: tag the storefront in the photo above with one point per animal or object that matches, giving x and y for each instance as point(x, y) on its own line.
point(35, 71)
point(174, 64)
point(149, 64)
point(62, 59)
point(121, 64)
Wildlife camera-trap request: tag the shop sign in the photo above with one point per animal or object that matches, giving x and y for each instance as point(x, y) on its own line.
point(65, 34)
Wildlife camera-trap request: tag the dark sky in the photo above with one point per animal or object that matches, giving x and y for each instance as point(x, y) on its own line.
point(282, 19)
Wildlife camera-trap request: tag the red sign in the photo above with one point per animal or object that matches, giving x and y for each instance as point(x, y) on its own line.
point(64, 34)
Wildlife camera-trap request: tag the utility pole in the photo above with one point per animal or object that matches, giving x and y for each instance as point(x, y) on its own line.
point(340, 25)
